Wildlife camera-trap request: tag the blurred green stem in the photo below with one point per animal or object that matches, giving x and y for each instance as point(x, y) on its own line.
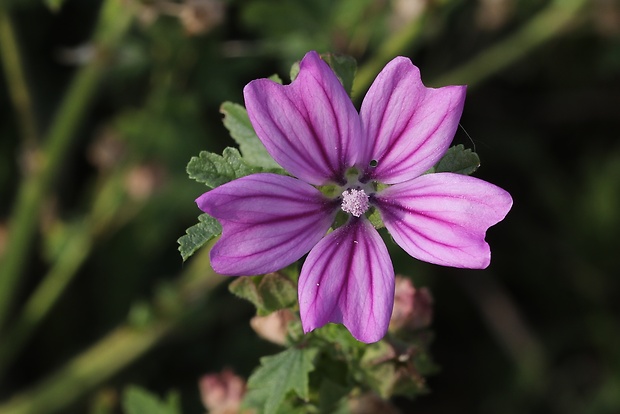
point(114, 20)
point(393, 46)
point(46, 295)
point(87, 370)
point(16, 80)
point(110, 209)
point(548, 23)
point(117, 350)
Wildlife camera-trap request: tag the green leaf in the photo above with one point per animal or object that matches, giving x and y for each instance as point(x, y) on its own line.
point(199, 234)
point(345, 68)
point(278, 376)
point(238, 123)
point(137, 400)
point(214, 170)
point(268, 293)
point(458, 160)
point(332, 397)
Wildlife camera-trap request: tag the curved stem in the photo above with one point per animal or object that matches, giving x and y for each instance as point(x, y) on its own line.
point(45, 296)
point(117, 350)
point(549, 22)
point(114, 21)
point(395, 45)
point(86, 371)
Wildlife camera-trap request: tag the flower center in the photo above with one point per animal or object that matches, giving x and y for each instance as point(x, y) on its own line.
point(355, 202)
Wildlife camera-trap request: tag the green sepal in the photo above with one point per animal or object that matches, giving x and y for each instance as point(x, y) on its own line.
point(238, 123)
point(276, 78)
point(268, 293)
point(137, 400)
point(375, 219)
point(458, 160)
point(199, 234)
point(397, 368)
point(345, 68)
point(278, 376)
point(294, 71)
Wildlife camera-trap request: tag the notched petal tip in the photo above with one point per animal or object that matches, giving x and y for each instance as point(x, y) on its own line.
point(443, 218)
point(310, 127)
point(408, 127)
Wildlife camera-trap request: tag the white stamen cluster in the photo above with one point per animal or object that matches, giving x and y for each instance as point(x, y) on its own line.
point(355, 202)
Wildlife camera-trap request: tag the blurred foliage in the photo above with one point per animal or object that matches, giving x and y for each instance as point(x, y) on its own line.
point(537, 332)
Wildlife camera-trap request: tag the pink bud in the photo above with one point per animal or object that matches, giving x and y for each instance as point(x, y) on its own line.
point(222, 393)
point(413, 308)
point(273, 327)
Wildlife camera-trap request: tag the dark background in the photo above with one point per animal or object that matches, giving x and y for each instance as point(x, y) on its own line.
point(537, 332)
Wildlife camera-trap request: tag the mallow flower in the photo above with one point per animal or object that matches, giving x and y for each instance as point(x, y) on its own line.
point(345, 163)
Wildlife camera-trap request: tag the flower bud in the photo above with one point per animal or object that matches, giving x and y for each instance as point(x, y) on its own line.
point(413, 308)
point(273, 327)
point(200, 16)
point(370, 403)
point(221, 393)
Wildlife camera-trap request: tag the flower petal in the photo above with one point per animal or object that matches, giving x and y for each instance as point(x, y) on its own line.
point(442, 218)
point(310, 127)
point(268, 220)
point(348, 278)
point(408, 127)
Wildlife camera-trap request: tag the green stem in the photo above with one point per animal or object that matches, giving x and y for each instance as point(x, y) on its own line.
point(545, 25)
point(46, 295)
point(109, 211)
point(114, 21)
point(16, 80)
point(393, 46)
point(542, 27)
point(86, 371)
point(117, 350)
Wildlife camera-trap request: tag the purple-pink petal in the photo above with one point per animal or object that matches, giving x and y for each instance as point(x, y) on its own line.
point(348, 278)
point(443, 218)
point(268, 222)
point(310, 127)
point(407, 126)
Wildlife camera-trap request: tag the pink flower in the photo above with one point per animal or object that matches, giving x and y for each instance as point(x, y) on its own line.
point(376, 160)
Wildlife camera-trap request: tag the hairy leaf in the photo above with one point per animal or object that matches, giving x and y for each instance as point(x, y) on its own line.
point(199, 234)
point(279, 375)
point(238, 123)
point(139, 401)
point(214, 170)
point(458, 160)
point(268, 293)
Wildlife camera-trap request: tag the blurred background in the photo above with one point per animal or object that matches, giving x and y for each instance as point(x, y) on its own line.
point(103, 103)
